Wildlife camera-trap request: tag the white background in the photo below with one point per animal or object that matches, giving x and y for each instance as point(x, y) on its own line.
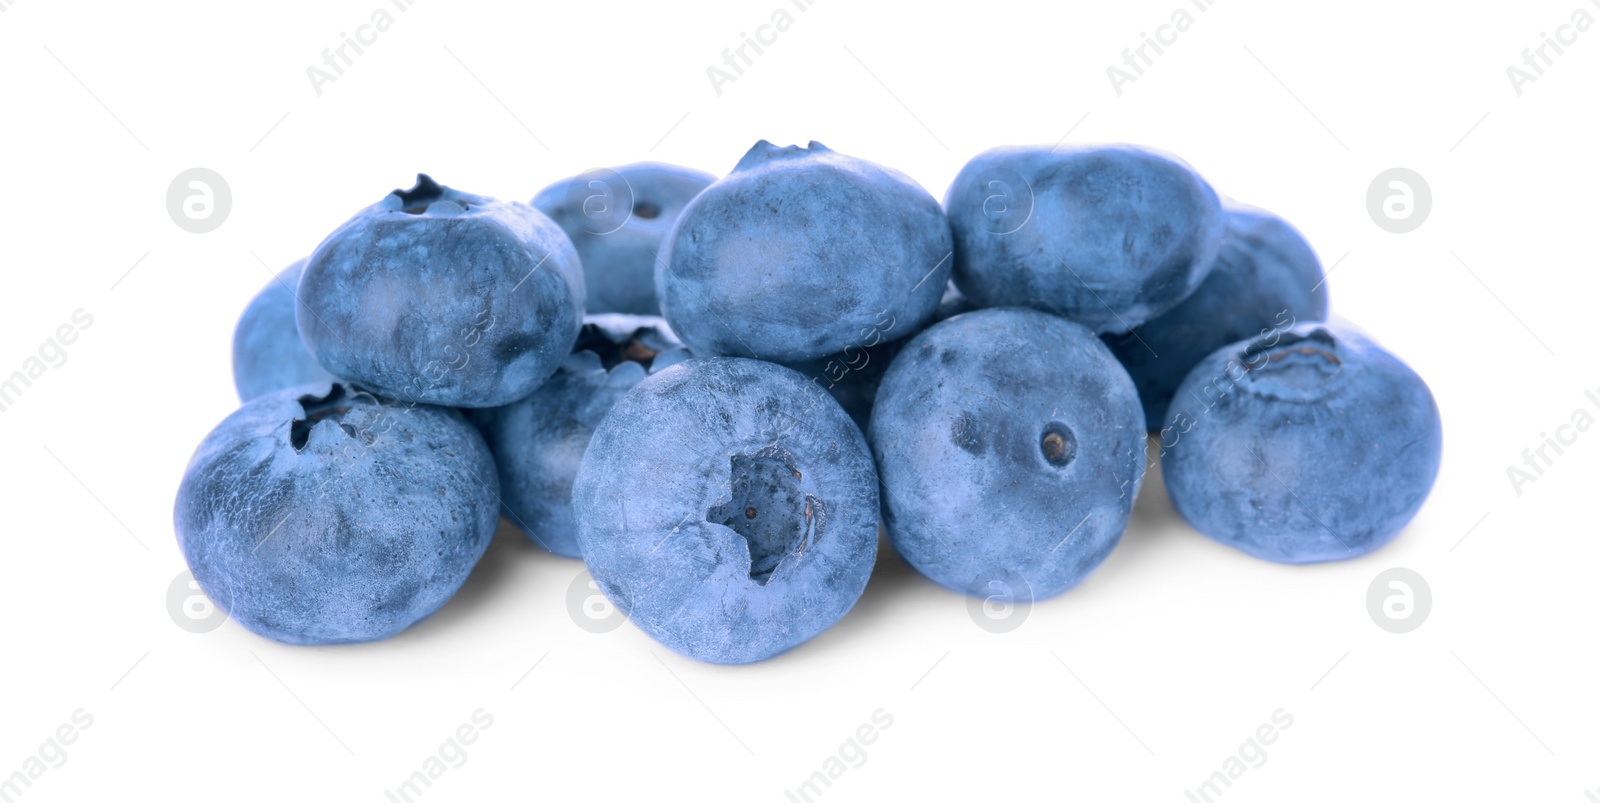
point(1135, 686)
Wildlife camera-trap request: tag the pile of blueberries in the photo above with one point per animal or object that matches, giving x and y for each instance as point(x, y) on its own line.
point(719, 392)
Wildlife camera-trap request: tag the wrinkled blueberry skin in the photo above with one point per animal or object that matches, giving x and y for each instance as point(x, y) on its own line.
point(1309, 445)
point(1010, 445)
point(320, 515)
point(1266, 278)
point(539, 441)
point(729, 507)
point(267, 352)
point(617, 219)
point(434, 295)
point(800, 253)
point(1108, 237)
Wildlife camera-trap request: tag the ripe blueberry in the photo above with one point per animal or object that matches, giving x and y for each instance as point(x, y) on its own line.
point(324, 515)
point(439, 296)
point(800, 253)
point(1108, 237)
point(730, 507)
point(1309, 445)
point(1010, 444)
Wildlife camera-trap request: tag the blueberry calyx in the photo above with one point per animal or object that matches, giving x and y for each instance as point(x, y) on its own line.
point(1297, 367)
point(415, 201)
point(331, 406)
point(614, 352)
point(767, 507)
point(764, 152)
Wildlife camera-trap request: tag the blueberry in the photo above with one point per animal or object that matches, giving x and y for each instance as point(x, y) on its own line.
point(267, 352)
point(617, 219)
point(539, 441)
point(800, 253)
point(729, 507)
point(1308, 445)
point(322, 515)
point(1108, 237)
point(434, 295)
point(1010, 445)
point(1265, 278)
